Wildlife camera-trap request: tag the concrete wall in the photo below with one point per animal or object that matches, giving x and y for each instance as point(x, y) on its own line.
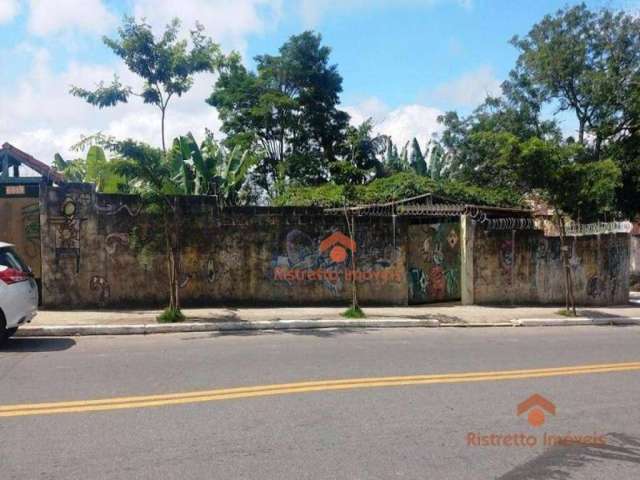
point(434, 262)
point(635, 261)
point(524, 267)
point(20, 225)
point(635, 255)
point(92, 255)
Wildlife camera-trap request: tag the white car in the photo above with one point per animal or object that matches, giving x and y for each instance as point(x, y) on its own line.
point(18, 292)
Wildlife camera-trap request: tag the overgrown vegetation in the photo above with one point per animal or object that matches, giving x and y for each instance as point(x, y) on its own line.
point(288, 143)
point(353, 312)
point(395, 187)
point(171, 315)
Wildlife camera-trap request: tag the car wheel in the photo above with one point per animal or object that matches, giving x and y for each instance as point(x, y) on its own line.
point(3, 331)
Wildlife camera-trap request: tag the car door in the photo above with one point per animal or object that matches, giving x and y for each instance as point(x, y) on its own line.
point(20, 291)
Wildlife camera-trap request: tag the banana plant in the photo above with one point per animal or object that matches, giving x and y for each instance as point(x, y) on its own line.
point(72, 170)
point(209, 168)
point(95, 168)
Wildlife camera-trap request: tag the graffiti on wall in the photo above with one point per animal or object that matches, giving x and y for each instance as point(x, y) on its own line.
point(111, 209)
point(68, 227)
point(100, 285)
point(434, 262)
point(506, 259)
point(328, 261)
point(31, 223)
point(114, 240)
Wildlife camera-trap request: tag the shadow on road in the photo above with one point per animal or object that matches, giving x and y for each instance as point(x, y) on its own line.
point(308, 332)
point(44, 344)
point(560, 463)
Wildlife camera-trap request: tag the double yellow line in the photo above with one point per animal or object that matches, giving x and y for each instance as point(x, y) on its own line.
point(300, 387)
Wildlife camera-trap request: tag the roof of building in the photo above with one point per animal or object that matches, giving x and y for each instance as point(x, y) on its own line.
point(430, 205)
point(34, 164)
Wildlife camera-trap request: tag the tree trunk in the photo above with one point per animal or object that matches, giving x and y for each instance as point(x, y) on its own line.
point(169, 255)
point(176, 251)
point(164, 148)
point(581, 124)
point(598, 146)
point(351, 226)
point(570, 303)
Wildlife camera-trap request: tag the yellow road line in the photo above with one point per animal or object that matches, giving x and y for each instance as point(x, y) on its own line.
point(301, 387)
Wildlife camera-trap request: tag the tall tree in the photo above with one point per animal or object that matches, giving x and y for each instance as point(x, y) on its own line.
point(416, 159)
point(437, 160)
point(392, 161)
point(360, 155)
point(288, 108)
point(166, 65)
point(587, 62)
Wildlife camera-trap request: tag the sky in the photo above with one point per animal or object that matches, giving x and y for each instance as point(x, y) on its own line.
point(404, 62)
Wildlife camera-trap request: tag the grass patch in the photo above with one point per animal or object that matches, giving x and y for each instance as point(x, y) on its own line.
point(353, 312)
point(171, 315)
point(567, 313)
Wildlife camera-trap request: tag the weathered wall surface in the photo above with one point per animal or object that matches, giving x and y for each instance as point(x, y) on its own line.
point(635, 255)
point(92, 255)
point(634, 264)
point(20, 225)
point(433, 260)
point(525, 267)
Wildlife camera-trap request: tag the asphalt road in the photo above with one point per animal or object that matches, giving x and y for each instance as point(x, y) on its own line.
point(354, 429)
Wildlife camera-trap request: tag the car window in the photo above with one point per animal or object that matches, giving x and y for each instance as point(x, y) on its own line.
point(8, 258)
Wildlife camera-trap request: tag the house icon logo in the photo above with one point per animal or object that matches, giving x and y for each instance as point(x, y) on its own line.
point(536, 405)
point(337, 243)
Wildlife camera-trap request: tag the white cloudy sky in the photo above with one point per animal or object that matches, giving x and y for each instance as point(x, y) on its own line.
point(404, 62)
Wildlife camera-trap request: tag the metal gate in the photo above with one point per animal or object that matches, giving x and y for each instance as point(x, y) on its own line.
point(433, 261)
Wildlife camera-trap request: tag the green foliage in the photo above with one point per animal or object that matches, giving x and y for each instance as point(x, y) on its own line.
point(587, 62)
point(155, 177)
point(171, 315)
point(326, 195)
point(499, 150)
point(586, 191)
point(73, 170)
point(210, 168)
point(478, 195)
point(360, 161)
point(416, 159)
point(96, 169)
point(354, 312)
point(102, 172)
point(396, 187)
point(104, 95)
point(392, 161)
point(165, 64)
point(287, 109)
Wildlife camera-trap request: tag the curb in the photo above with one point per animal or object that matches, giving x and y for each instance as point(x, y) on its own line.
point(574, 322)
point(145, 329)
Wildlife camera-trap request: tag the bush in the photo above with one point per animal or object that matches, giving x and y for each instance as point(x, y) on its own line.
point(353, 312)
point(396, 187)
point(171, 315)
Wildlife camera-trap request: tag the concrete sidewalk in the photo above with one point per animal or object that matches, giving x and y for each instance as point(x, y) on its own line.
point(227, 319)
